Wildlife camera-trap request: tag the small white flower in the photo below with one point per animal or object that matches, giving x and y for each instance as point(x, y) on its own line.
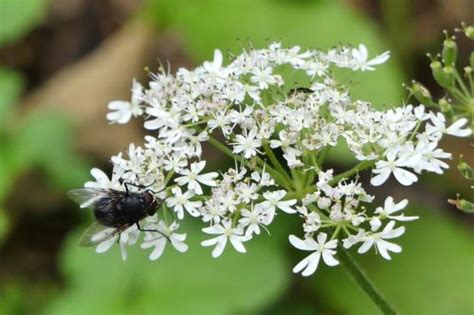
point(182, 201)
point(225, 232)
point(394, 165)
point(192, 178)
point(321, 248)
point(122, 111)
point(438, 126)
point(387, 211)
point(158, 241)
point(248, 144)
point(254, 218)
point(212, 211)
point(391, 207)
point(378, 239)
point(360, 61)
point(263, 77)
point(273, 200)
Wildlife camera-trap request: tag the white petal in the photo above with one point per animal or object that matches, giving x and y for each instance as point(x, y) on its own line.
point(384, 247)
point(313, 262)
point(158, 251)
point(404, 177)
point(237, 243)
point(302, 244)
point(329, 259)
point(210, 242)
point(366, 246)
point(179, 246)
point(375, 223)
point(217, 58)
point(194, 185)
point(208, 179)
point(105, 245)
point(394, 233)
point(381, 177)
point(322, 237)
point(301, 265)
point(219, 247)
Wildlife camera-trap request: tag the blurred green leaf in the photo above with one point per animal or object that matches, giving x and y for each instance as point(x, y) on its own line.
point(11, 298)
point(11, 85)
point(18, 17)
point(433, 275)
point(190, 283)
point(308, 24)
point(3, 224)
point(45, 139)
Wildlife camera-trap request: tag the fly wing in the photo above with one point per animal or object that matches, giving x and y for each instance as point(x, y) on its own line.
point(98, 233)
point(88, 197)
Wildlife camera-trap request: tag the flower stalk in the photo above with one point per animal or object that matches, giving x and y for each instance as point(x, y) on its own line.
point(359, 276)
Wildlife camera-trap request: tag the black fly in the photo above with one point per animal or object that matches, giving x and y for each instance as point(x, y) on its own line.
point(114, 211)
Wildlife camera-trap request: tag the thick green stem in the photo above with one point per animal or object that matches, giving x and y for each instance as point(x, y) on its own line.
point(364, 283)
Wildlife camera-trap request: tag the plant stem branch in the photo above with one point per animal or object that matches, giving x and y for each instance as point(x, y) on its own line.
point(280, 179)
point(359, 276)
point(356, 169)
point(274, 160)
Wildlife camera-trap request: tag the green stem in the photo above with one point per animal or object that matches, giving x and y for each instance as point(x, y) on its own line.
point(168, 177)
point(274, 160)
point(359, 276)
point(461, 83)
point(461, 97)
point(276, 176)
point(356, 169)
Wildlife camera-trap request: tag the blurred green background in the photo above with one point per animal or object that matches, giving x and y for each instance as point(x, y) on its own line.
point(62, 61)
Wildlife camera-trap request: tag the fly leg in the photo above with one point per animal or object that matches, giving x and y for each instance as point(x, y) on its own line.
point(156, 231)
point(126, 184)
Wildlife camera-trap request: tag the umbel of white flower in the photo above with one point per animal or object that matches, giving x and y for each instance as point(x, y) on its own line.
point(260, 114)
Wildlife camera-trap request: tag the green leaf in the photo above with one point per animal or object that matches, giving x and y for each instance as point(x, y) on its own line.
point(3, 224)
point(434, 274)
point(18, 17)
point(45, 140)
point(207, 25)
point(189, 283)
point(11, 85)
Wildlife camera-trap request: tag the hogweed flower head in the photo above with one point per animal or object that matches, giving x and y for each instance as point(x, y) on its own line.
point(253, 106)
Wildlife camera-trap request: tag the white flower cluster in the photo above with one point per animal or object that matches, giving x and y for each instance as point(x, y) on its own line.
point(253, 106)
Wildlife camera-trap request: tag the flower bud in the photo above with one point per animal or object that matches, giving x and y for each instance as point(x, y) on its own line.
point(467, 70)
point(463, 205)
point(450, 50)
point(469, 31)
point(421, 93)
point(466, 170)
point(443, 75)
point(444, 106)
